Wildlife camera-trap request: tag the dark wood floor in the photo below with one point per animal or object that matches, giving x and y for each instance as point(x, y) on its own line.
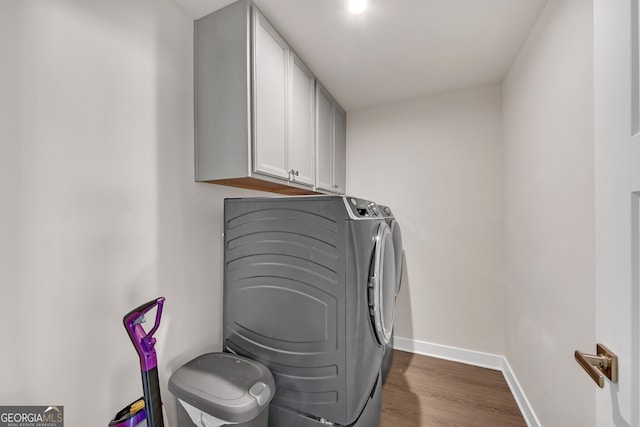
point(425, 391)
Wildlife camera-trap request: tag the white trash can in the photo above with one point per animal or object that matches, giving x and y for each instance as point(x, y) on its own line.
point(222, 389)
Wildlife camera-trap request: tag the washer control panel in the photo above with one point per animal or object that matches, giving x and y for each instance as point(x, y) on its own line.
point(362, 209)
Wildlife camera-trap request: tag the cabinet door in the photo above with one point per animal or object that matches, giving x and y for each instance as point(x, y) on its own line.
point(271, 55)
point(301, 138)
point(324, 139)
point(339, 149)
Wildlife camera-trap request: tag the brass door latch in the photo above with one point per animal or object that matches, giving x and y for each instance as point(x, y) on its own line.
point(603, 364)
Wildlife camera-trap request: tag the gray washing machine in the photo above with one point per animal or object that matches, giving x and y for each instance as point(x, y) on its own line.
point(309, 291)
point(396, 235)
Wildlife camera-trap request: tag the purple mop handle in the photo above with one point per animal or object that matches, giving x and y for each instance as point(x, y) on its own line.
point(144, 342)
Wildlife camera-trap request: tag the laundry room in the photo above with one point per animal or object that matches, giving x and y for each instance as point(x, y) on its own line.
point(471, 121)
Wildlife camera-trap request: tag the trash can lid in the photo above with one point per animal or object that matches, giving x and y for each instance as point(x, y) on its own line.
point(227, 386)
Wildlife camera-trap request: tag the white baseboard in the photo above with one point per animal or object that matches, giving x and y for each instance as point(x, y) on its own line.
point(518, 394)
point(475, 358)
point(470, 357)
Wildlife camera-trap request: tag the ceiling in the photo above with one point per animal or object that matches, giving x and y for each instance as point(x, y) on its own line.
point(398, 49)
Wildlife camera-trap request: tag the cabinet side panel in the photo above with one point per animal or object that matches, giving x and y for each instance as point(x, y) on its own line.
point(222, 93)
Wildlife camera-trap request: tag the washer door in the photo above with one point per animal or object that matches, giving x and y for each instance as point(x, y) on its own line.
point(398, 251)
point(382, 285)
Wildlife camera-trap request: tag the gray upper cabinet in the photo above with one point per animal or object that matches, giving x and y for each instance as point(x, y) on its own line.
point(270, 71)
point(301, 141)
point(324, 139)
point(339, 149)
point(331, 137)
point(255, 100)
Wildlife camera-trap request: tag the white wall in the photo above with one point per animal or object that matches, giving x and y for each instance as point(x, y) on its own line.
point(99, 209)
point(549, 208)
point(437, 163)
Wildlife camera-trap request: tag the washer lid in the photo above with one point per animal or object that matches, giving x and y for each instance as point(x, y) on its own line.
point(382, 285)
point(227, 386)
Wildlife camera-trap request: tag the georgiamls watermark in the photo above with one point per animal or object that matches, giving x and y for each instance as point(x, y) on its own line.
point(32, 416)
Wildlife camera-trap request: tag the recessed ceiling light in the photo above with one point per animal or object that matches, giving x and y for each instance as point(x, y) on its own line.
point(357, 6)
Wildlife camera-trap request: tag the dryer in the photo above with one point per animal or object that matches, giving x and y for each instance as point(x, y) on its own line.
point(309, 291)
point(396, 235)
